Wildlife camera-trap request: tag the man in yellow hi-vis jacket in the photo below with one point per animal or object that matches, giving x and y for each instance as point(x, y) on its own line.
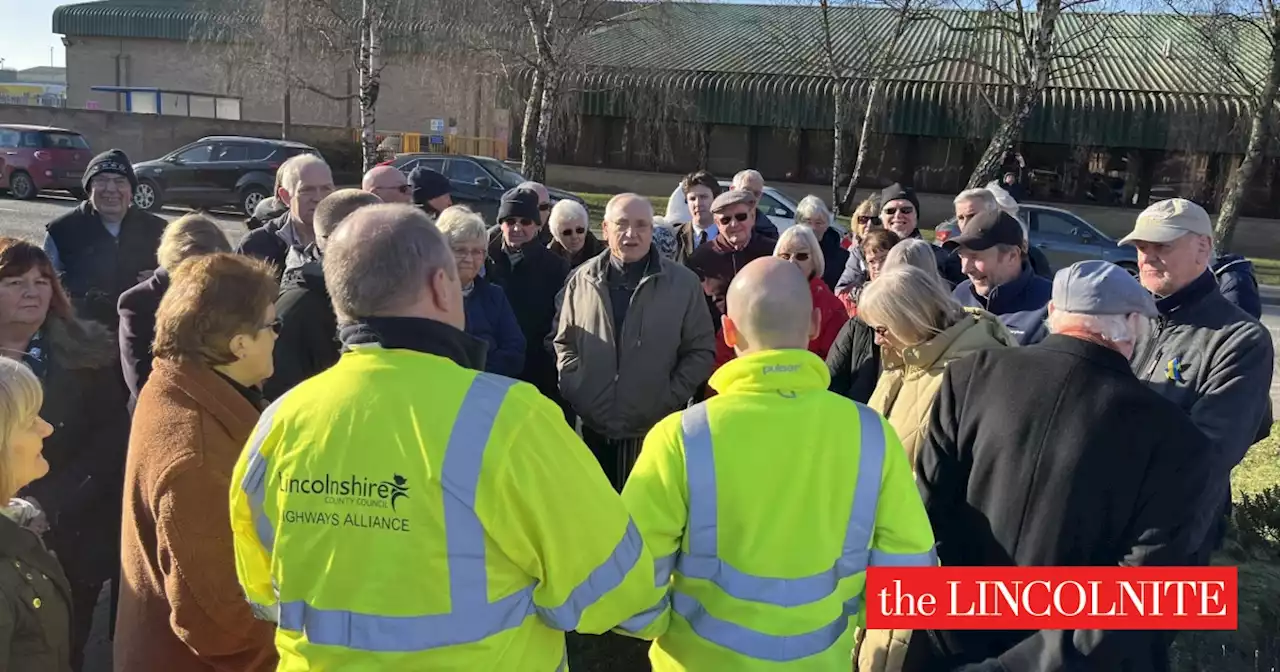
point(401, 511)
point(766, 503)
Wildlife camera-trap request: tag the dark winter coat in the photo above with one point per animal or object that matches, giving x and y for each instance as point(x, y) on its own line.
point(834, 256)
point(1077, 465)
point(764, 226)
point(1022, 304)
point(590, 248)
point(308, 342)
point(137, 310)
point(1238, 284)
point(1215, 363)
point(99, 267)
point(490, 318)
point(35, 605)
point(270, 243)
point(854, 274)
point(531, 287)
point(854, 361)
point(716, 264)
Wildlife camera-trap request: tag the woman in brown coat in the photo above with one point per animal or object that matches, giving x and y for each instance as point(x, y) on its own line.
point(35, 598)
point(181, 607)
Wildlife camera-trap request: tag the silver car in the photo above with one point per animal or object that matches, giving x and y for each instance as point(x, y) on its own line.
point(1062, 236)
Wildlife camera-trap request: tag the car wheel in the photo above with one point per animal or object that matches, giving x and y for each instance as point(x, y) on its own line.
point(1129, 267)
point(250, 198)
point(147, 196)
point(21, 186)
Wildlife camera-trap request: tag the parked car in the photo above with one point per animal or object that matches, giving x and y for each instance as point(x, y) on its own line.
point(777, 206)
point(476, 181)
point(213, 172)
point(41, 158)
point(1063, 236)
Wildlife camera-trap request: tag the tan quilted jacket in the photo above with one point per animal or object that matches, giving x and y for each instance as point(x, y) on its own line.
point(904, 395)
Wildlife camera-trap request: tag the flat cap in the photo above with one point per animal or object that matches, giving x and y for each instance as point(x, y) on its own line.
point(733, 197)
point(1100, 288)
point(1168, 221)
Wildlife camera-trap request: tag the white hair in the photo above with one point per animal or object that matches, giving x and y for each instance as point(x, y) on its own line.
point(460, 225)
point(748, 175)
point(808, 240)
point(812, 206)
point(913, 252)
point(994, 198)
point(1114, 328)
point(290, 173)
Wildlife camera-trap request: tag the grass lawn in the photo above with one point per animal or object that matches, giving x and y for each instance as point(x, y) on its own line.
point(1267, 271)
point(1261, 466)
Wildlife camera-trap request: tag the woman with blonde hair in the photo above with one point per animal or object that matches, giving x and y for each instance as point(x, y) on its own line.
point(920, 329)
point(184, 237)
point(800, 246)
point(181, 607)
point(78, 364)
point(866, 218)
point(34, 592)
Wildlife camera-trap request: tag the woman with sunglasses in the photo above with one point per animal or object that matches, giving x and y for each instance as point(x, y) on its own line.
point(571, 229)
point(800, 246)
point(181, 607)
point(865, 219)
point(78, 365)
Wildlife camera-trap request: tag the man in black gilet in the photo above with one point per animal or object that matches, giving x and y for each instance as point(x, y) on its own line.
point(105, 245)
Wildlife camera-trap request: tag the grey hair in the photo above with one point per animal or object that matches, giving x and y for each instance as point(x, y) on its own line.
point(910, 304)
point(290, 172)
point(1114, 328)
point(337, 206)
point(459, 224)
point(991, 203)
point(567, 211)
point(20, 399)
point(915, 253)
point(188, 236)
point(812, 206)
point(379, 261)
point(748, 175)
point(809, 240)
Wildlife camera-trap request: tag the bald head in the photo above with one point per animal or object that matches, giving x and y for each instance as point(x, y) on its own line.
point(628, 227)
point(387, 183)
point(544, 198)
point(336, 207)
point(769, 307)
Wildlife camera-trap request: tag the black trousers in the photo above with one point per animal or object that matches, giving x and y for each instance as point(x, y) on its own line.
point(616, 456)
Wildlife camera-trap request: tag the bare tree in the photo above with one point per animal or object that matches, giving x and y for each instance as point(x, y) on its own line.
point(1235, 33)
point(1034, 49)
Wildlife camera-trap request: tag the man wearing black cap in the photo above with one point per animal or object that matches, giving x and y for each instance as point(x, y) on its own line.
point(992, 253)
point(532, 276)
point(899, 213)
point(104, 246)
point(431, 190)
point(1058, 455)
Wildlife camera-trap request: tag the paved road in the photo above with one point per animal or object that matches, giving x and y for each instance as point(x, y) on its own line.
point(26, 219)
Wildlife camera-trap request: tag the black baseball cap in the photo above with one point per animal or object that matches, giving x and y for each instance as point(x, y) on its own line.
point(986, 230)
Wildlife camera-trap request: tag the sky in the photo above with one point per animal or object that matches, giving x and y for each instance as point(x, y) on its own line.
point(26, 33)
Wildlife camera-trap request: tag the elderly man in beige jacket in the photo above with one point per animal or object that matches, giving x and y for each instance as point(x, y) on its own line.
point(633, 341)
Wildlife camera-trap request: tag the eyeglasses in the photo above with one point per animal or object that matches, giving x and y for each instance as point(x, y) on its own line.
point(514, 221)
point(798, 256)
point(729, 219)
point(906, 210)
point(274, 325)
point(868, 220)
point(881, 331)
point(543, 207)
point(569, 232)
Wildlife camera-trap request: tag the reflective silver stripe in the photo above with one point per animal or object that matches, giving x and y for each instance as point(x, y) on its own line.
point(254, 482)
point(564, 662)
point(882, 559)
point(702, 561)
point(472, 617)
point(662, 568)
point(756, 644)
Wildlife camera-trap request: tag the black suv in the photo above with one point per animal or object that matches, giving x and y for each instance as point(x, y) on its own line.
point(475, 181)
point(215, 171)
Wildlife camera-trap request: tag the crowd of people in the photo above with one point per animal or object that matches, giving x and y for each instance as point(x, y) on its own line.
point(380, 432)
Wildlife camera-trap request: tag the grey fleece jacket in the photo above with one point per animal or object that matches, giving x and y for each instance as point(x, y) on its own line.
point(1215, 362)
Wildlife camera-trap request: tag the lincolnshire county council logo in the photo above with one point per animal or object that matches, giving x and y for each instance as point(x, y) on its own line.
point(398, 489)
point(1174, 369)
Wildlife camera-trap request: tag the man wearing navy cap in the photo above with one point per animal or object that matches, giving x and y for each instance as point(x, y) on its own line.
point(992, 251)
point(1057, 455)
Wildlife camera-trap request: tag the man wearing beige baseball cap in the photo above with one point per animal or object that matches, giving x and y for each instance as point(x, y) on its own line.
point(1202, 352)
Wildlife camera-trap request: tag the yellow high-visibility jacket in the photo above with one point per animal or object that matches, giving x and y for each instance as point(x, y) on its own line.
point(764, 506)
point(401, 512)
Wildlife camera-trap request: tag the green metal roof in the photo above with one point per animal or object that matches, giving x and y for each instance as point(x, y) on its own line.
point(155, 19)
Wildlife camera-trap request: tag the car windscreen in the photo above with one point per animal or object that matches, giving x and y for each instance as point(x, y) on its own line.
point(55, 140)
point(509, 178)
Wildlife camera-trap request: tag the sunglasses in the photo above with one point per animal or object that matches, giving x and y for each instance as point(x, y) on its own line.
point(868, 220)
point(274, 325)
point(513, 221)
point(906, 210)
point(404, 188)
point(543, 207)
point(798, 256)
point(729, 219)
point(881, 331)
point(569, 232)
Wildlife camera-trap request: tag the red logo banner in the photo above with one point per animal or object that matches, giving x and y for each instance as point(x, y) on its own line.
point(1051, 598)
